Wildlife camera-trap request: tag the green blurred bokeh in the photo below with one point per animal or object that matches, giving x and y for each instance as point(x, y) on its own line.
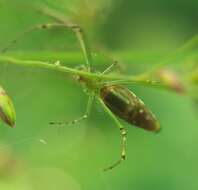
point(73, 157)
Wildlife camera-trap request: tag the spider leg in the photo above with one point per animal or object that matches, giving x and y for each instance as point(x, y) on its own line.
point(83, 117)
point(109, 69)
point(123, 137)
point(73, 27)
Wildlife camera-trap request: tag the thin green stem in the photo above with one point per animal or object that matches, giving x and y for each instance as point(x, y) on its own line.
point(41, 64)
point(188, 46)
point(80, 35)
point(63, 69)
point(62, 20)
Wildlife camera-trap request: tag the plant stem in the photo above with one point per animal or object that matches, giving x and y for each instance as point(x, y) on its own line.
point(63, 69)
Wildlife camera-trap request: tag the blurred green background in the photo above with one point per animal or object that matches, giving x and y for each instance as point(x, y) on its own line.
point(135, 32)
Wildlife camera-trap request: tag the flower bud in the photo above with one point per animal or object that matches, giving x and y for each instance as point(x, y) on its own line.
point(171, 80)
point(7, 111)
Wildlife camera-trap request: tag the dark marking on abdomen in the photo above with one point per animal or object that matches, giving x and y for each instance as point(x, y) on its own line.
point(126, 105)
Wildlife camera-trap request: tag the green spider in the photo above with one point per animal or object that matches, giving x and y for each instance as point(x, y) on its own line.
point(117, 100)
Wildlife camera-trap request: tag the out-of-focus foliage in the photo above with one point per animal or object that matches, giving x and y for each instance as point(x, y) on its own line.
point(139, 33)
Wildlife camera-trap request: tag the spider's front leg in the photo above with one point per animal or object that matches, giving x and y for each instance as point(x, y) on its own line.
point(73, 27)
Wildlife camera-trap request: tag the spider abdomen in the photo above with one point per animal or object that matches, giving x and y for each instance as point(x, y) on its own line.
point(127, 106)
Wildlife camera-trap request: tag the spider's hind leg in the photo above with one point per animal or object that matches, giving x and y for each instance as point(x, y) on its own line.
point(123, 137)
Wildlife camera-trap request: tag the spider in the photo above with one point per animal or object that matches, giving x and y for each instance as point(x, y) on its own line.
point(117, 100)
